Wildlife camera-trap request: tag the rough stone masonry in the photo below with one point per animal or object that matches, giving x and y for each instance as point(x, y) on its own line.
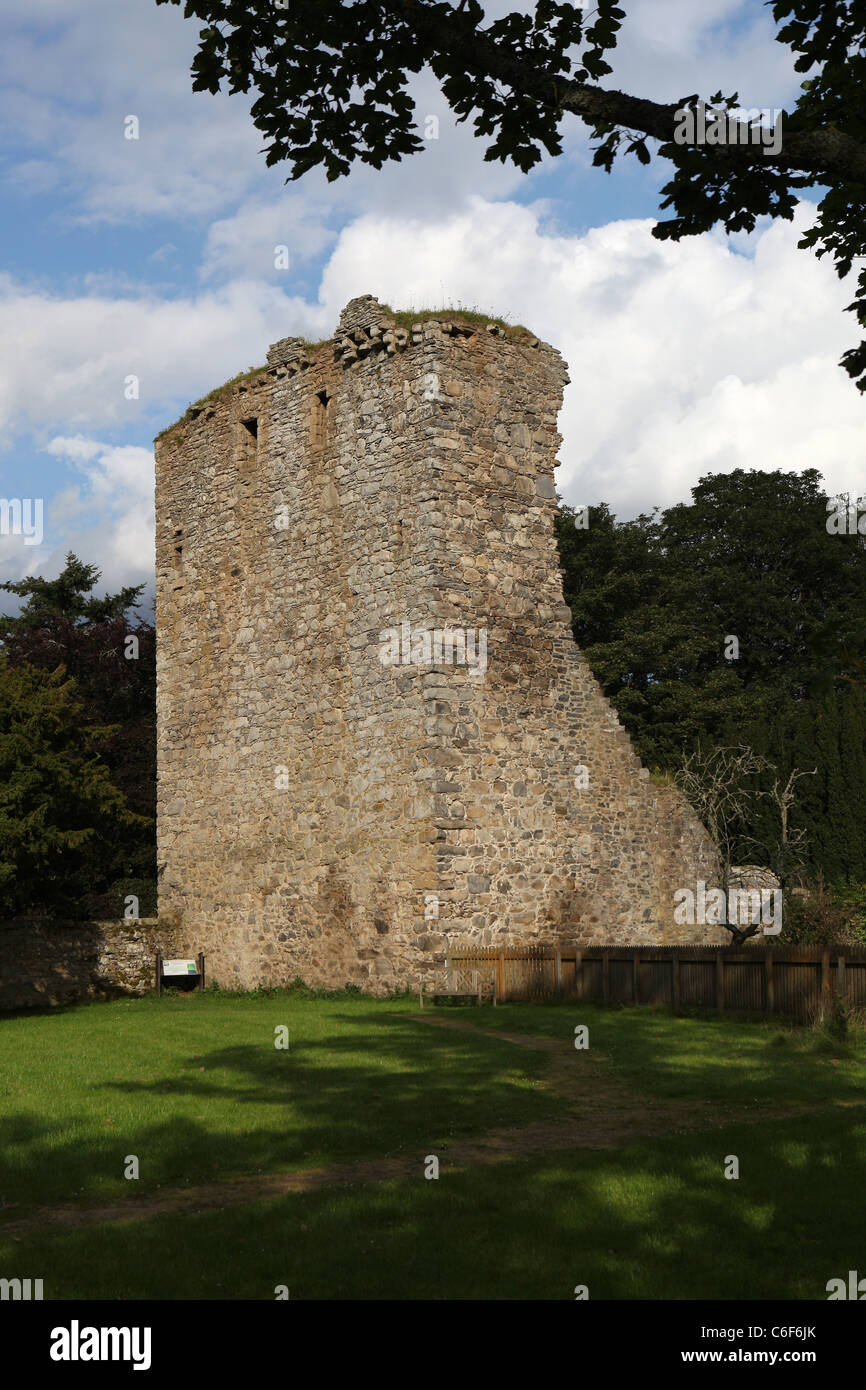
point(377, 736)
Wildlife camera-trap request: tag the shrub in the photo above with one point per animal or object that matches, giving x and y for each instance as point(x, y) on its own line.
point(824, 916)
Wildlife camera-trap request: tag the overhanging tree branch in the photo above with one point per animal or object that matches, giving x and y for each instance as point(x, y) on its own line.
point(332, 84)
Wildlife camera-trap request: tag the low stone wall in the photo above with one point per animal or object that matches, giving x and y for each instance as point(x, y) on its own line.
point(45, 961)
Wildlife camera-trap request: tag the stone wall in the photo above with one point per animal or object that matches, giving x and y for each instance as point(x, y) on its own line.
point(338, 799)
point(46, 962)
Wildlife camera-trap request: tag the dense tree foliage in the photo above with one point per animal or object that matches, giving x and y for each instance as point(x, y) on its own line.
point(106, 665)
point(57, 803)
point(656, 602)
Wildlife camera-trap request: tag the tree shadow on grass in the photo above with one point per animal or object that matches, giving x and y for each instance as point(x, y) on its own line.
point(383, 1089)
point(732, 1062)
point(658, 1220)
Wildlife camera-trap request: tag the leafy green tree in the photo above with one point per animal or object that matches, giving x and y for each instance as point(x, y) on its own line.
point(113, 663)
point(330, 79)
point(655, 602)
point(608, 567)
point(56, 799)
point(69, 596)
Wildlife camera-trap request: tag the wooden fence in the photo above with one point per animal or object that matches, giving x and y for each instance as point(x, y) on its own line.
point(756, 979)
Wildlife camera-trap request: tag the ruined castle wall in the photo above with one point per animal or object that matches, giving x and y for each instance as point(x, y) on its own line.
point(326, 815)
point(525, 852)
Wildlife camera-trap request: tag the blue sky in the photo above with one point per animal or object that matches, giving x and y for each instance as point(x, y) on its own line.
point(155, 258)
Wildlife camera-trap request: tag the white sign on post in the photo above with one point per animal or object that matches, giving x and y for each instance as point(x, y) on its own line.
point(179, 967)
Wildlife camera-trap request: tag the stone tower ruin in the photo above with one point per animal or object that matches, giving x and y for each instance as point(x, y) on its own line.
point(377, 736)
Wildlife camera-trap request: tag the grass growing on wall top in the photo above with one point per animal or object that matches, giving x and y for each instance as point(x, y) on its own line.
point(211, 398)
point(404, 318)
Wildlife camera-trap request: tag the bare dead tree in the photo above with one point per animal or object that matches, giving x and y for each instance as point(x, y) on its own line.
point(714, 782)
point(786, 852)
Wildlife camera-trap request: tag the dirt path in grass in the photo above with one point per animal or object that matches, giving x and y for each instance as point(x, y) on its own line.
point(598, 1112)
point(598, 1109)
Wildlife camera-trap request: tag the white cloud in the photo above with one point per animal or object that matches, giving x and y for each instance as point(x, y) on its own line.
point(245, 244)
point(64, 99)
point(70, 76)
point(684, 358)
point(64, 359)
point(106, 512)
point(671, 48)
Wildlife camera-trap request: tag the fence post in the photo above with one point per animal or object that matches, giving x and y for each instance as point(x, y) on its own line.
point(769, 986)
point(159, 973)
point(833, 977)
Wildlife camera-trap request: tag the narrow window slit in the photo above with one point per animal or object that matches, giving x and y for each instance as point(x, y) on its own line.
point(248, 440)
point(321, 413)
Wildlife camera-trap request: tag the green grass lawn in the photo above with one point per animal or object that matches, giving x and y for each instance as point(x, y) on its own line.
point(718, 1059)
point(653, 1221)
point(196, 1089)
